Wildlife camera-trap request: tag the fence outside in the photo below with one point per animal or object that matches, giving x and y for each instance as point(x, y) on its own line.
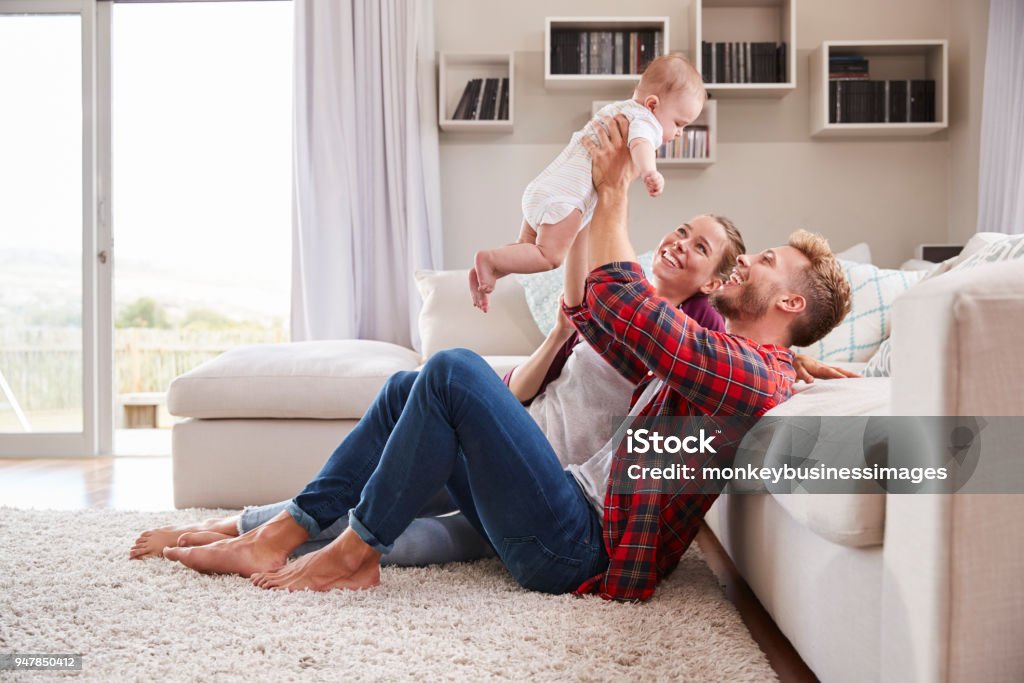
point(44, 365)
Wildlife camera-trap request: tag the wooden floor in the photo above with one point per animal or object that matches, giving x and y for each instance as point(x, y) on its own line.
point(144, 483)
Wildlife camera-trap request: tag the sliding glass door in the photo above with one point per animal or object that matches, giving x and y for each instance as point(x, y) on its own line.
point(51, 269)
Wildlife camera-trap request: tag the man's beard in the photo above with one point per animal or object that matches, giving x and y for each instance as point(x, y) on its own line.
point(751, 304)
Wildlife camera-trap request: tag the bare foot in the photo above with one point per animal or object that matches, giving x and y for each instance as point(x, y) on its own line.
point(197, 538)
point(347, 563)
point(487, 275)
point(151, 543)
point(263, 549)
point(480, 299)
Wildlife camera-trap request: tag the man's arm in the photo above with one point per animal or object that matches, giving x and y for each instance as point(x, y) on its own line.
point(613, 171)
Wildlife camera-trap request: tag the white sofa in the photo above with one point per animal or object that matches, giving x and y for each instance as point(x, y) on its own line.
point(885, 587)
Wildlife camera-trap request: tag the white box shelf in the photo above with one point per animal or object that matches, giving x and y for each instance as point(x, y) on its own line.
point(889, 60)
point(730, 21)
point(455, 71)
point(595, 81)
point(708, 117)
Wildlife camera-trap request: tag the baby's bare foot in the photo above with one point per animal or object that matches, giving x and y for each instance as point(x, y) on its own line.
point(486, 274)
point(481, 299)
point(151, 543)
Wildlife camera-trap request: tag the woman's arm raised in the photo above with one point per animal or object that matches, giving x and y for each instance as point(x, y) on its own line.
point(526, 380)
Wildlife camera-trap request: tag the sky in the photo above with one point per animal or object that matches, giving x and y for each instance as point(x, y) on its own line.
point(202, 97)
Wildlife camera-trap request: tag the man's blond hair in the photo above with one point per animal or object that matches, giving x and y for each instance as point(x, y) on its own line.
point(824, 287)
point(668, 73)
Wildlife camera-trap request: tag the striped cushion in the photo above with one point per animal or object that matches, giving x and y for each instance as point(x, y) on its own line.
point(862, 332)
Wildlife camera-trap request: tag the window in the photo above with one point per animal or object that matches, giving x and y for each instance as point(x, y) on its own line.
point(201, 127)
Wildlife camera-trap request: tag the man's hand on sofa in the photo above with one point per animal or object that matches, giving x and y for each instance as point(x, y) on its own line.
point(807, 369)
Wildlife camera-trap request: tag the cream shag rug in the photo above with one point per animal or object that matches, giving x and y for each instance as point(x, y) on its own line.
point(67, 586)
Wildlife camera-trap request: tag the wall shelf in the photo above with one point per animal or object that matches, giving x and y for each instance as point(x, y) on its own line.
point(598, 24)
point(455, 70)
point(888, 60)
point(745, 21)
point(708, 117)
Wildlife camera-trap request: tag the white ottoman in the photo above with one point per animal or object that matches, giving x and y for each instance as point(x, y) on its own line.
point(263, 419)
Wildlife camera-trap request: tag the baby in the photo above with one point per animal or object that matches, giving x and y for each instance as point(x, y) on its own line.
point(559, 202)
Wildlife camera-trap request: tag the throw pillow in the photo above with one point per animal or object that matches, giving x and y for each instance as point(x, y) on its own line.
point(858, 253)
point(544, 290)
point(448, 319)
point(1008, 249)
point(862, 332)
point(989, 248)
point(880, 364)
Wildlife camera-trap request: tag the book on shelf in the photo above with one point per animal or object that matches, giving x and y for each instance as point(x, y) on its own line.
point(576, 52)
point(462, 108)
point(877, 101)
point(694, 143)
point(503, 107)
point(848, 64)
point(483, 99)
point(743, 62)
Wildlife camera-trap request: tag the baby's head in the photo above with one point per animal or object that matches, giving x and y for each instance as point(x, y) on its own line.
point(674, 92)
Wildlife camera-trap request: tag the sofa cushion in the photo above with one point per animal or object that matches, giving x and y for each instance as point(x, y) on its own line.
point(856, 520)
point(448, 319)
point(851, 519)
point(327, 380)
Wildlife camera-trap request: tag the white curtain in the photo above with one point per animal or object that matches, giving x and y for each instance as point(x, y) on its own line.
point(1001, 174)
point(366, 209)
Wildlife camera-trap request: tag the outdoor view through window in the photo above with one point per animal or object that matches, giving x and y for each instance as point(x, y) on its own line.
point(201, 128)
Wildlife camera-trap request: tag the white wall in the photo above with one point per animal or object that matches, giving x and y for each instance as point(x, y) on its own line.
point(771, 178)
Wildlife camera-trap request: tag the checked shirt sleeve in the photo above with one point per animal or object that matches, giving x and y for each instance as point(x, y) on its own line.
point(606, 345)
point(715, 372)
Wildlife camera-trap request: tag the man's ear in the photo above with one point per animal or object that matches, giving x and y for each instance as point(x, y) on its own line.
point(792, 303)
point(710, 286)
point(652, 102)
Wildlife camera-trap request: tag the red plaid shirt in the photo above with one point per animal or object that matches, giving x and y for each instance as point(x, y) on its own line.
point(705, 373)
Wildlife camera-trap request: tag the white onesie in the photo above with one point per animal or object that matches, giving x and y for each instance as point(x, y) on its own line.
point(566, 184)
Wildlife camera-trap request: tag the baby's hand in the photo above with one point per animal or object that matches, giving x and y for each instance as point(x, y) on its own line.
point(654, 182)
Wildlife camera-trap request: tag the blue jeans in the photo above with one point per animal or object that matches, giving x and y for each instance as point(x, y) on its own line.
point(456, 425)
point(430, 538)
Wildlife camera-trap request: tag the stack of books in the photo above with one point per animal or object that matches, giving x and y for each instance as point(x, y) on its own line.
point(577, 52)
point(743, 62)
point(484, 99)
point(854, 98)
point(867, 101)
point(693, 144)
point(847, 67)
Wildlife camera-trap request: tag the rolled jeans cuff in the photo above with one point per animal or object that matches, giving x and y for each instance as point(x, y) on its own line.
point(302, 519)
point(368, 538)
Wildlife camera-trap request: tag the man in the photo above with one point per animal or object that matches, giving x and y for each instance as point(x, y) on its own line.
point(456, 425)
point(790, 295)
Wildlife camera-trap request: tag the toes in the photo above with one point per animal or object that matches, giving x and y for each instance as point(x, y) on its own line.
point(174, 553)
point(187, 540)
